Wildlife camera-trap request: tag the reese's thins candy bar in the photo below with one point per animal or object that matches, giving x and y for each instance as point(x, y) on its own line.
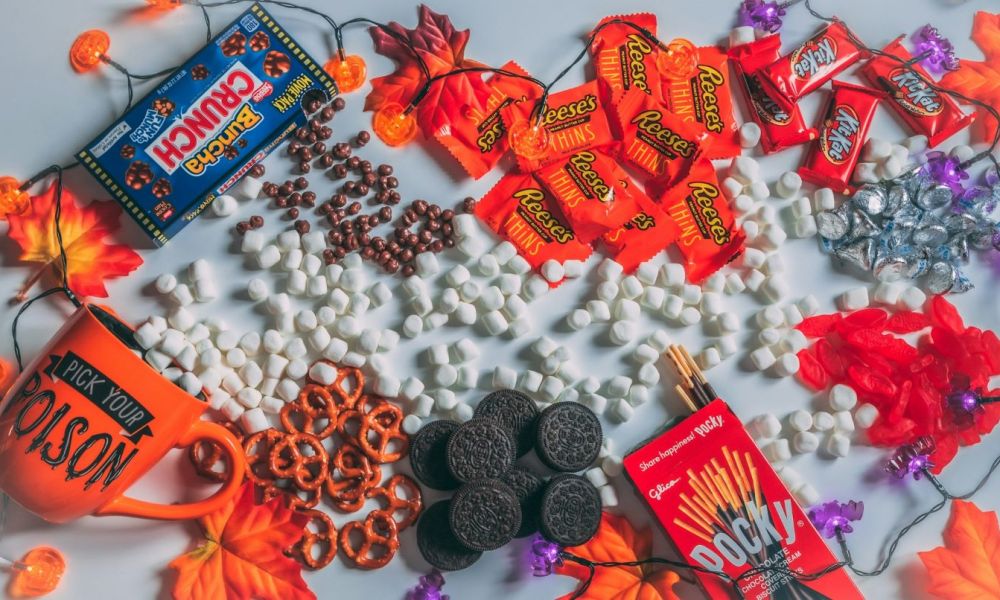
point(519, 209)
point(624, 58)
point(575, 119)
point(724, 508)
point(908, 89)
point(655, 140)
point(477, 137)
point(705, 101)
point(641, 237)
point(707, 232)
point(831, 161)
point(593, 191)
point(781, 123)
point(207, 124)
point(818, 60)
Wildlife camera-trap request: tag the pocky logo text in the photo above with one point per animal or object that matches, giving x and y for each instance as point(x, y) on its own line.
point(913, 92)
point(813, 57)
point(840, 133)
point(214, 122)
point(748, 535)
point(663, 138)
point(71, 442)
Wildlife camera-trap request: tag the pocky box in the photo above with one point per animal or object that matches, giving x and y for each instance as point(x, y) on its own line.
point(781, 122)
point(725, 509)
point(911, 96)
point(203, 128)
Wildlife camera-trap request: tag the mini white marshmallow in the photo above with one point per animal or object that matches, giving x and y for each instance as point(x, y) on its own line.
point(709, 358)
point(553, 271)
point(759, 190)
point(788, 184)
point(800, 420)
point(672, 306)
point(793, 341)
point(765, 426)
point(888, 292)
point(787, 365)
point(323, 373)
point(296, 348)
point(749, 132)
point(691, 294)
point(494, 322)
point(843, 421)
point(727, 346)
point(711, 304)
point(347, 327)
point(673, 275)
point(734, 284)
point(411, 424)
point(842, 398)
point(627, 310)
point(445, 400)
point(631, 287)
point(962, 152)
point(182, 294)
point(292, 260)
point(354, 359)
point(648, 375)
point(853, 299)
point(422, 406)
point(762, 358)
point(808, 306)
point(805, 226)
point(753, 258)
point(610, 270)
point(744, 204)
point(823, 421)
point(147, 336)
point(805, 442)
point(769, 336)
point(689, 316)
point(777, 451)
point(504, 251)
point(296, 283)
point(865, 416)
point(578, 319)
point(387, 385)
point(268, 256)
point(278, 304)
point(915, 144)
point(271, 405)
point(231, 409)
point(427, 264)
point(659, 340)
point(838, 445)
point(599, 310)
point(621, 411)
point(181, 318)
point(773, 236)
point(732, 187)
point(504, 378)
point(912, 298)
point(622, 332)
point(793, 316)
point(865, 172)
point(728, 323)
point(550, 389)
point(644, 353)
point(607, 291)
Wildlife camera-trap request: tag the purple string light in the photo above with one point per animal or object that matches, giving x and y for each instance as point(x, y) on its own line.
point(834, 517)
point(946, 170)
point(429, 587)
point(911, 459)
point(764, 16)
point(934, 50)
point(545, 556)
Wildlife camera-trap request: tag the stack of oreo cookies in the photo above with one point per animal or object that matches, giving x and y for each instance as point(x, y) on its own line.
point(498, 499)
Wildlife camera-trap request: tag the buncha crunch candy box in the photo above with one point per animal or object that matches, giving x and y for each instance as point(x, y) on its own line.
point(206, 124)
point(725, 509)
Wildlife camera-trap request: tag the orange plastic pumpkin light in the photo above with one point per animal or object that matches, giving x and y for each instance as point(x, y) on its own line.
point(393, 125)
point(679, 60)
point(349, 73)
point(528, 141)
point(41, 570)
point(13, 200)
point(87, 50)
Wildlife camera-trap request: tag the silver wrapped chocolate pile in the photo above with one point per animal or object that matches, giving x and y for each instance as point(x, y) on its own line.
point(912, 227)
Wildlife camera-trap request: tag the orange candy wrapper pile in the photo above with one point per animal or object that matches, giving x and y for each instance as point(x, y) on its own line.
point(632, 121)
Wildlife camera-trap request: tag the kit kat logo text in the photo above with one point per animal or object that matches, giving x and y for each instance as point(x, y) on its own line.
point(708, 82)
point(216, 116)
point(840, 134)
point(748, 535)
point(912, 92)
point(666, 140)
point(531, 202)
point(813, 57)
point(634, 52)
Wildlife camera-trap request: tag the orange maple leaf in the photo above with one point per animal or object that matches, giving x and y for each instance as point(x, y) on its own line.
point(84, 229)
point(616, 540)
point(968, 565)
point(242, 555)
point(981, 79)
point(442, 48)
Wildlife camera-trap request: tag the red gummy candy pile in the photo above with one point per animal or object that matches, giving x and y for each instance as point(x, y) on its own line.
point(909, 385)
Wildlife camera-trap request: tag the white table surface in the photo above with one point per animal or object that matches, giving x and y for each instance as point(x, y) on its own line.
point(48, 112)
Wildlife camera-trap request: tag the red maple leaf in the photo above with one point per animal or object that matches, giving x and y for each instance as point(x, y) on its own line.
point(442, 48)
point(90, 259)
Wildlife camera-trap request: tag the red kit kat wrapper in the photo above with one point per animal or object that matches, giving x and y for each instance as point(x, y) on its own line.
point(780, 121)
point(831, 161)
point(724, 508)
point(812, 64)
point(910, 95)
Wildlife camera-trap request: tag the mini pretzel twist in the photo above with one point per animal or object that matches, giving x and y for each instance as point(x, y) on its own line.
point(257, 448)
point(409, 507)
point(379, 540)
point(351, 375)
point(315, 403)
point(351, 475)
point(287, 460)
point(204, 454)
point(325, 537)
point(380, 428)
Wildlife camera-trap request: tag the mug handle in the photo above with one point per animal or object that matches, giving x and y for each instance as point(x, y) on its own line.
point(123, 505)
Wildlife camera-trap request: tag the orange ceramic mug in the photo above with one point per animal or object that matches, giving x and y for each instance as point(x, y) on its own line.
point(88, 417)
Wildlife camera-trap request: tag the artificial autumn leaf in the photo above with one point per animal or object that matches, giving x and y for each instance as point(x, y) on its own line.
point(616, 540)
point(967, 567)
point(442, 48)
point(84, 229)
point(981, 80)
point(242, 555)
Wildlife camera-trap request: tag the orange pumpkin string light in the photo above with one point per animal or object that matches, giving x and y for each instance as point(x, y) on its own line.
point(88, 50)
point(13, 199)
point(679, 59)
point(349, 72)
point(394, 125)
point(529, 141)
point(37, 573)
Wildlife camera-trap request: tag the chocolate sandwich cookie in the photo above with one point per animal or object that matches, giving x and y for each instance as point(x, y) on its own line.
point(528, 486)
point(513, 411)
point(570, 511)
point(484, 514)
point(568, 437)
point(479, 449)
point(438, 545)
point(428, 455)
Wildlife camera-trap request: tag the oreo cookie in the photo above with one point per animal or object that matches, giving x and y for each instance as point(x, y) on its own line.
point(528, 486)
point(484, 514)
point(571, 510)
point(568, 437)
point(479, 449)
point(513, 411)
point(438, 545)
point(428, 455)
